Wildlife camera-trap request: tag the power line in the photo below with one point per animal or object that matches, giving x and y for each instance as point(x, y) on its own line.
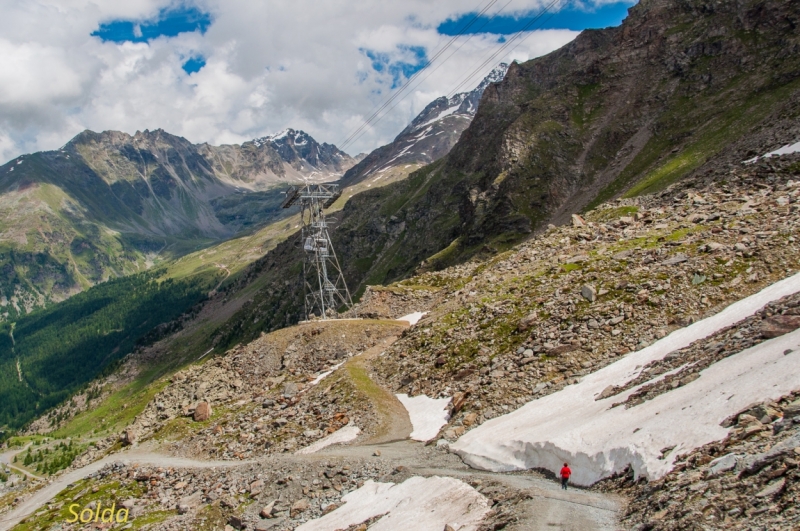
point(504, 47)
point(430, 72)
point(410, 80)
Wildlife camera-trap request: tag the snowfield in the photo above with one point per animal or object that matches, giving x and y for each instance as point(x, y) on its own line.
point(417, 504)
point(598, 441)
point(427, 415)
point(342, 435)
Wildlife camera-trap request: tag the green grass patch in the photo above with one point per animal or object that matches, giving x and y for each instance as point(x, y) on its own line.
point(611, 214)
point(116, 411)
point(107, 494)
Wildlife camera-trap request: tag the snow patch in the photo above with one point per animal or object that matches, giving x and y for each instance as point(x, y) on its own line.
point(421, 504)
point(412, 318)
point(785, 150)
point(427, 415)
point(322, 375)
point(342, 435)
point(598, 441)
point(441, 115)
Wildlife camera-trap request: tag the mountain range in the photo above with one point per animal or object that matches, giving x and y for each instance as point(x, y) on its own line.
point(111, 204)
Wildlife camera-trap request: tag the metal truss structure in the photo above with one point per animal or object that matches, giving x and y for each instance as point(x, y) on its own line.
point(323, 282)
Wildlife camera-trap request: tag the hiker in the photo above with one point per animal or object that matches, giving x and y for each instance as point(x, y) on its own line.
point(565, 474)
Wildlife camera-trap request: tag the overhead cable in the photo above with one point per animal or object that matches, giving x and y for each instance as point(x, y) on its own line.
point(411, 79)
point(504, 47)
point(430, 72)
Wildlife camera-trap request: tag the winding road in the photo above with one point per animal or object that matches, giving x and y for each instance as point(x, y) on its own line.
point(548, 507)
point(45, 494)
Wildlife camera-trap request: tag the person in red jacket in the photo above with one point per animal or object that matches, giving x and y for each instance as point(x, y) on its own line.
point(565, 474)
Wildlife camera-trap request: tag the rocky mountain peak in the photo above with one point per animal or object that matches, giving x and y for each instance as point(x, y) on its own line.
point(428, 137)
point(298, 148)
point(463, 103)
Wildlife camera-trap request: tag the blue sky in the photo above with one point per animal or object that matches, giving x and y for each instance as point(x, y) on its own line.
point(571, 18)
point(168, 23)
point(226, 71)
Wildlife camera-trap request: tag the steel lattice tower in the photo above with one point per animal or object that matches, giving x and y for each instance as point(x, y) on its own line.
point(323, 282)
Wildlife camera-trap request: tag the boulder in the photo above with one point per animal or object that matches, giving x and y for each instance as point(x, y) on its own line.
point(459, 399)
point(189, 502)
point(527, 322)
point(290, 390)
point(256, 487)
point(266, 512)
point(128, 437)
point(298, 507)
point(589, 292)
point(778, 325)
point(202, 412)
point(772, 489)
point(470, 419)
point(721, 465)
point(792, 410)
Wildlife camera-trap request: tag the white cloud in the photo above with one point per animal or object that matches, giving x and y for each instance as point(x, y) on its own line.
point(270, 65)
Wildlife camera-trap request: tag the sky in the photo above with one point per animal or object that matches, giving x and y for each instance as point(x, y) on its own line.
point(227, 71)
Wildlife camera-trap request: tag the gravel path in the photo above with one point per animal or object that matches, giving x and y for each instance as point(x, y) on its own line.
point(395, 423)
point(7, 459)
point(45, 494)
point(548, 507)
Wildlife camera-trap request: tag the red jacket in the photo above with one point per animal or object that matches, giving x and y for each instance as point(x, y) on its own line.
point(566, 472)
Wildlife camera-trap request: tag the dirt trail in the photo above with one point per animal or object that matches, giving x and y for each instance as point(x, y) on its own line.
point(7, 459)
point(395, 423)
point(548, 508)
point(142, 457)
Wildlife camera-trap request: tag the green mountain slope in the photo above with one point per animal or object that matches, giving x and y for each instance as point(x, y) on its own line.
point(47, 355)
point(110, 204)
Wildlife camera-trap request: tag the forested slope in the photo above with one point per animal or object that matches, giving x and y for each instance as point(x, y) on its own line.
point(49, 354)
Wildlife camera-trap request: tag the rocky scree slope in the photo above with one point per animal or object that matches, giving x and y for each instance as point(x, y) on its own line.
point(625, 109)
point(532, 320)
point(748, 480)
point(430, 136)
point(267, 396)
point(110, 204)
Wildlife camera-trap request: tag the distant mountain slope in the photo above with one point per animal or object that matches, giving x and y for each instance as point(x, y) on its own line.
point(107, 204)
point(429, 137)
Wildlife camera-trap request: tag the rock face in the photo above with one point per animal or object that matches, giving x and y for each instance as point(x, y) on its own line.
point(628, 109)
point(429, 137)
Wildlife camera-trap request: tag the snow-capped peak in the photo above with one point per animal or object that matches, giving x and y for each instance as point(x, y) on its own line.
point(297, 137)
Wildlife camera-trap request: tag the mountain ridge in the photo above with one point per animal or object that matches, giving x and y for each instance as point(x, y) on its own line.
point(109, 204)
point(443, 121)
